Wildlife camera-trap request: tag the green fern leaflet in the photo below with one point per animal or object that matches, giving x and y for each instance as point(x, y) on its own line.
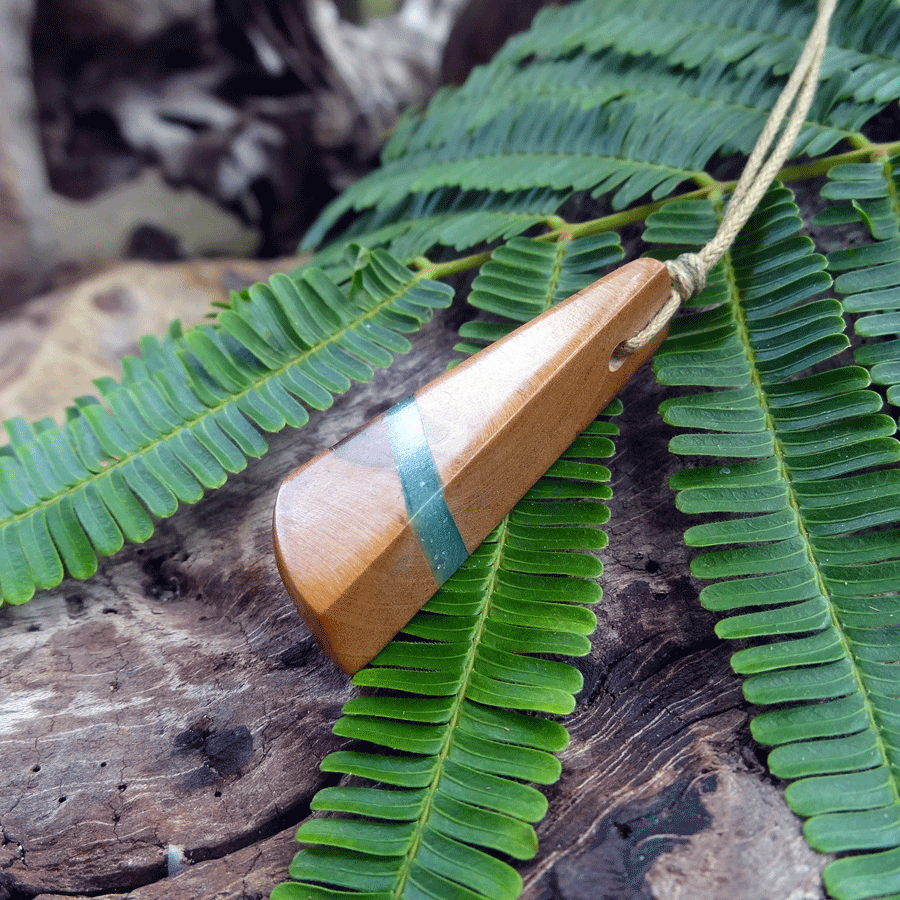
point(189, 411)
point(811, 563)
point(454, 693)
point(870, 274)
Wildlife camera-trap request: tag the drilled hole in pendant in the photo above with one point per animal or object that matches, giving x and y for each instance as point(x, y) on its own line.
point(618, 357)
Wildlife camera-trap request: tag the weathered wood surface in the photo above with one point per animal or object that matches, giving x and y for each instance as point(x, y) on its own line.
point(175, 703)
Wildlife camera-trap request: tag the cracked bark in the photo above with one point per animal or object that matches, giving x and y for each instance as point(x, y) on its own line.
point(175, 700)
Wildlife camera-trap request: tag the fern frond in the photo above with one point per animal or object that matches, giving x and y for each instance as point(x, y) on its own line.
point(738, 105)
point(524, 277)
point(190, 410)
point(449, 705)
point(811, 556)
point(450, 218)
point(628, 150)
point(652, 94)
point(870, 279)
point(863, 39)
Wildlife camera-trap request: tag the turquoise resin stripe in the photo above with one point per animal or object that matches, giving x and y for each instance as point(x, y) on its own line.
point(429, 516)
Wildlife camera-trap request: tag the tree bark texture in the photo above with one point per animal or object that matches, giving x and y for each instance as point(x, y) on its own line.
point(161, 724)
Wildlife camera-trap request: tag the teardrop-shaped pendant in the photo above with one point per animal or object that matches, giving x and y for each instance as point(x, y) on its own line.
point(367, 531)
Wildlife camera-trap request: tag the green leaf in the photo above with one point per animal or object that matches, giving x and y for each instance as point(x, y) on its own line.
point(870, 273)
point(452, 792)
point(800, 551)
point(178, 422)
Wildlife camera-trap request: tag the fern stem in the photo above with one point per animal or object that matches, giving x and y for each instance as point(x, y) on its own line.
point(816, 167)
point(556, 223)
point(631, 216)
point(437, 271)
point(561, 247)
point(560, 229)
point(703, 180)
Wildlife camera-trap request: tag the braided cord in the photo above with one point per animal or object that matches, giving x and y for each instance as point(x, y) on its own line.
point(688, 272)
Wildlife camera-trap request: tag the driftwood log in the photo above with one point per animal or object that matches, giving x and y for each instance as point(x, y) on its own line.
point(161, 724)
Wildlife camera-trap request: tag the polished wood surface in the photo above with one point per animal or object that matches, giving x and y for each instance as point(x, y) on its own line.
point(348, 555)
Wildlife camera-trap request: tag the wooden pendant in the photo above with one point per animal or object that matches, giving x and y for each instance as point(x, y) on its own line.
point(367, 531)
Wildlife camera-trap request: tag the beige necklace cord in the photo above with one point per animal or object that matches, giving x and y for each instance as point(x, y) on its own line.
point(689, 271)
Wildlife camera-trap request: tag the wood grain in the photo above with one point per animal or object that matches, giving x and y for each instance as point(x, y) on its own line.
point(348, 537)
